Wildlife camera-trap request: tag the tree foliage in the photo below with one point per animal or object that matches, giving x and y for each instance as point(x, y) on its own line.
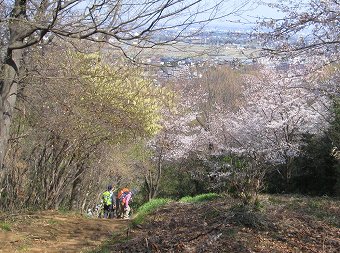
point(76, 109)
point(120, 23)
point(263, 126)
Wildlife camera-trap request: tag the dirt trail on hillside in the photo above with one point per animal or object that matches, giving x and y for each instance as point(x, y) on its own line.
point(283, 224)
point(54, 232)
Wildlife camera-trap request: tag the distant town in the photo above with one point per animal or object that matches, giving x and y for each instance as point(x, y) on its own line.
point(219, 45)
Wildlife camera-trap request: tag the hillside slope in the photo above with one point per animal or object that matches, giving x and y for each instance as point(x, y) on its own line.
point(284, 224)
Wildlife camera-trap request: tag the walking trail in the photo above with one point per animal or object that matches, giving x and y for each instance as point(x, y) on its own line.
point(55, 232)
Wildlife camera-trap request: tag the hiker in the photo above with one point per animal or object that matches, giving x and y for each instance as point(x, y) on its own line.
point(123, 199)
point(89, 213)
point(114, 205)
point(98, 210)
point(107, 198)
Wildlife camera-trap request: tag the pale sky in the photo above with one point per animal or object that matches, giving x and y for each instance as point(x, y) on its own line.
point(250, 13)
point(236, 13)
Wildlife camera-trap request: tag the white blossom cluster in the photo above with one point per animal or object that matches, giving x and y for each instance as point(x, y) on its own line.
point(276, 112)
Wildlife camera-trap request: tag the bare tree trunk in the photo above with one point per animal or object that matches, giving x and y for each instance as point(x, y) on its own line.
point(152, 180)
point(9, 86)
point(158, 175)
point(148, 184)
point(9, 72)
point(76, 188)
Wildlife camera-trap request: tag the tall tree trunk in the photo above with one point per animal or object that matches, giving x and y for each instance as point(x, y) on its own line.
point(8, 89)
point(18, 30)
point(76, 187)
point(74, 199)
point(152, 180)
point(158, 175)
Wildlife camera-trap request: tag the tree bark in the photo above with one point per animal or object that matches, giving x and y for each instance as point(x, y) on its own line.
point(74, 199)
point(9, 87)
point(18, 30)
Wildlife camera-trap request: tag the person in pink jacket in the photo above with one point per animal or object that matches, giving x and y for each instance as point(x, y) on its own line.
point(126, 206)
point(123, 198)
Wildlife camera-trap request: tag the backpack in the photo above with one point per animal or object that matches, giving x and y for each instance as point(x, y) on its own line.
point(122, 193)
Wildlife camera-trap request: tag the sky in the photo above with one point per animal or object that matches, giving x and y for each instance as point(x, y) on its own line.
point(249, 11)
point(263, 11)
point(249, 14)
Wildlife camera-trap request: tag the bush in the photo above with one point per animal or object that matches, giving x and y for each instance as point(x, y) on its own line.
point(177, 183)
point(5, 226)
point(148, 208)
point(200, 198)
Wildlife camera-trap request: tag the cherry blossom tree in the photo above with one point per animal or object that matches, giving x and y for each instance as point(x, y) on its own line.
point(265, 128)
point(277, 114)
point(309, 31)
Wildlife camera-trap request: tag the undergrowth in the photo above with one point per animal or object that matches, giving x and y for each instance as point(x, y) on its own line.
point(199, 198)
point(147, 209)
point(5, 226)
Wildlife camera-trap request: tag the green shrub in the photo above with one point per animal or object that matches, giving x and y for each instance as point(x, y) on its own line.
point(148, 208)
point(5, 226)
point(199, 198)
point(177, 184)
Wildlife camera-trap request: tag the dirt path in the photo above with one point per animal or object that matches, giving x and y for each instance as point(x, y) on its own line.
point(283, 224)
point(54, 232)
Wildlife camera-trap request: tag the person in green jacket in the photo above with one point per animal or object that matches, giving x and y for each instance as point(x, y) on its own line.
point(108, 203)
